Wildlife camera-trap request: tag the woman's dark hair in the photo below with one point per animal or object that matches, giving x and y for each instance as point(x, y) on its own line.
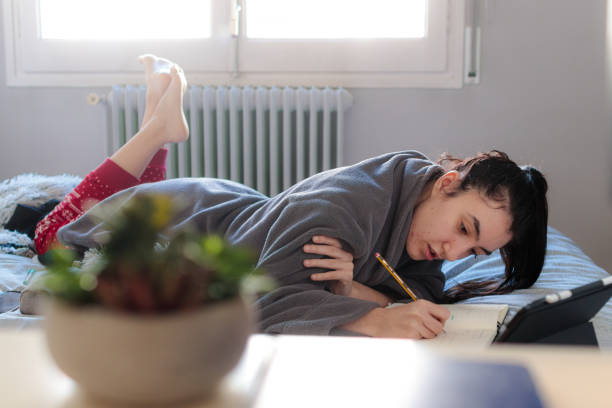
point(523, 189)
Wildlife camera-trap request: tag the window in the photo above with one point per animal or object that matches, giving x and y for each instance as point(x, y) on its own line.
point(93, 22)
point(350, 43)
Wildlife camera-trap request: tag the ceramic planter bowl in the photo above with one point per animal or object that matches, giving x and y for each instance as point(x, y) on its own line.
point(155, 359)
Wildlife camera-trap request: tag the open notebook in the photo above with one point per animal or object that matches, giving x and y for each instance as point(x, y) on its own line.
point(473, 324)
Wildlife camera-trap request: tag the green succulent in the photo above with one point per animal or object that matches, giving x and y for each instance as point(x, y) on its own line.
point(139, 271)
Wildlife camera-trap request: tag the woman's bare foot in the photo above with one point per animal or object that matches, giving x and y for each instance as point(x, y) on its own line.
point(163, 121)
point(169, 111)
point(157, 77)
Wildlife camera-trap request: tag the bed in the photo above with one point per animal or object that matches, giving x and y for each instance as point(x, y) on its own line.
point(566, 265)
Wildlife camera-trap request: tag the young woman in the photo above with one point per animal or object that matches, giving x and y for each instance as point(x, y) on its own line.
point(414, 212)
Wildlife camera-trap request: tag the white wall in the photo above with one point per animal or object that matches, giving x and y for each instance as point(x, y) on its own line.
point(542, 99)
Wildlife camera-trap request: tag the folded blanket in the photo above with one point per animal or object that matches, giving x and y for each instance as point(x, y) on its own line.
point(367, 206)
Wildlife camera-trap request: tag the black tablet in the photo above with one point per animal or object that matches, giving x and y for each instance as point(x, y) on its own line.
point(560, 312)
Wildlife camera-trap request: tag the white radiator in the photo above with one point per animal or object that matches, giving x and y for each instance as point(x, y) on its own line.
point(266, 138)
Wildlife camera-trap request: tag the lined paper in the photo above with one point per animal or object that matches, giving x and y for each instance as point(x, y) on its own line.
point(474, 324)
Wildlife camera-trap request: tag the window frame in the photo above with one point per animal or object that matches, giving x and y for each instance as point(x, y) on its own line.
point(33, 62)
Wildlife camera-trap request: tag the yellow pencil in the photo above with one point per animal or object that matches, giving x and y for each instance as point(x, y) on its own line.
point(396, 276)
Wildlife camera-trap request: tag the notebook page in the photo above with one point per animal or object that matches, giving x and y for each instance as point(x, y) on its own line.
point(475, 316)
point(472, 316)
point(474, 324)
point(477, 337)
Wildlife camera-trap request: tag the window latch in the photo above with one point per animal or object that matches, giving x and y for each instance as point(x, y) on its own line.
point(235, 24)
point(235, 32)
point(472, 44)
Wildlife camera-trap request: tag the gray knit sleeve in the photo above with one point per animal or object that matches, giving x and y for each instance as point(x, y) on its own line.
point(308, 309)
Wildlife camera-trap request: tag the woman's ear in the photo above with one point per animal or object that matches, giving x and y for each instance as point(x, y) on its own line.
point(449, 182)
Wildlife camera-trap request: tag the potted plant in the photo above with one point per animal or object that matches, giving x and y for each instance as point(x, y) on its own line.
point(150, 321)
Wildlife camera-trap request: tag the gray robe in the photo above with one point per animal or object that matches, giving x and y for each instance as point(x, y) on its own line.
point(367, 206)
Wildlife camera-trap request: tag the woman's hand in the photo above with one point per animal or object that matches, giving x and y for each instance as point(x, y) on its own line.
point(416, 320)
point(338, 260)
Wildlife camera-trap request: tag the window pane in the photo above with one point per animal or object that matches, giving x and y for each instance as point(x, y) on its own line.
point(125, 19)
point(335, 19)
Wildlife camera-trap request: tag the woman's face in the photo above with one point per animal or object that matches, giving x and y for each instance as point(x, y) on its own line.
point(453, 227)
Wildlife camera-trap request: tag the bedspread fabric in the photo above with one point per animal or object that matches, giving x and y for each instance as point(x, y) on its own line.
point(367, 206)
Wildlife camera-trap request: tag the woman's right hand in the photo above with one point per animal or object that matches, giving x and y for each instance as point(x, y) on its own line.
point(416, 320)
point(339, 261)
